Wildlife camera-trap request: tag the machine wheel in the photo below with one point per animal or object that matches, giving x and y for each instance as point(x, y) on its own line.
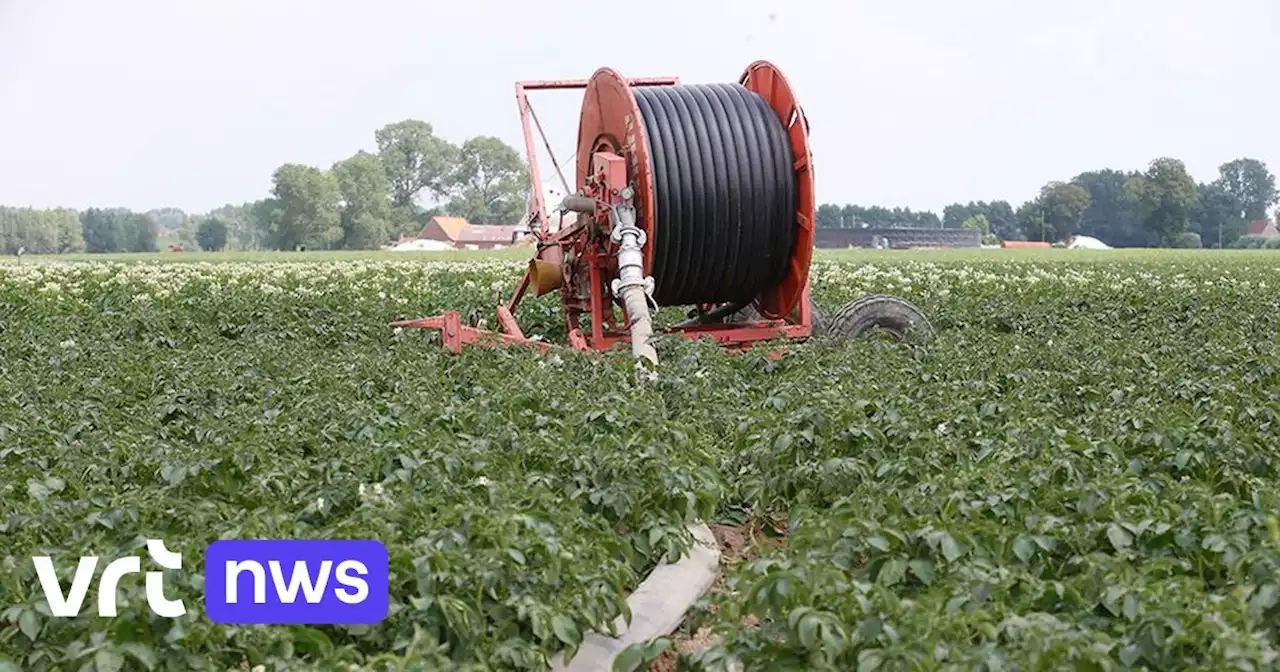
point(881, 314)
point(750, 314)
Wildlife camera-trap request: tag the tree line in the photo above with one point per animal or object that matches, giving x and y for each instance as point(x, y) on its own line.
point(370, 198)
point(360, 202)
point(1161, 206)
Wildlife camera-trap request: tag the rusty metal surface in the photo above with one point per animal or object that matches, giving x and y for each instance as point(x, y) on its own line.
point(537, 209)
point(543, 84)
point(613, 153)
point(765, 79)
point(537, 206)
point(611, 122)
point(454, 335)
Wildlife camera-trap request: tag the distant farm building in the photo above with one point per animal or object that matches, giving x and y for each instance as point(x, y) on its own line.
point(898, 239)
point(1263, 227)
point(462, 235)
point(1024, 243)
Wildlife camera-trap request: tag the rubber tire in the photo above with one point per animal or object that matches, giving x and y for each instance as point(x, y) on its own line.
point(750, 314)
point(881, 312)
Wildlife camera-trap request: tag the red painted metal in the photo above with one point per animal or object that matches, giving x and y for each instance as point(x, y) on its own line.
point(520, 290)
point(598, 305)
point(451, 332)
point(454, 334)
point(508, 322)
point(611, 170)
point(613, 155)
point(541, 84)
point(765, 79)
point(538, 209)
point(611, 122)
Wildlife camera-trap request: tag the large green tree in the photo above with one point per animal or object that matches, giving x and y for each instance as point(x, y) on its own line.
point(829, 216)
point(1056, 212)
point(366, 207)
point(104, 230)
point(1163, 198)
point(490, 183)
point(978, 222)
point(1249, 181)
point(9, 233)
point(211, 234)
point(248, 224)
point(1217, 215)
point(140, 231)
point(304, 210)
point(1001, 218)
point(1109, 217)
point(70, 232)
point(115, 230)
point(415, 160)
point(28, 230)
point(35, 231)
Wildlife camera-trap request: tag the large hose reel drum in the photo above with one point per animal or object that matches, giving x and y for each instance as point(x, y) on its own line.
point(723, 184)
point(688, 195)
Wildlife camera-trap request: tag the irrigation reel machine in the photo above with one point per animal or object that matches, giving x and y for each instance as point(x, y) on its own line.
point(697, 196)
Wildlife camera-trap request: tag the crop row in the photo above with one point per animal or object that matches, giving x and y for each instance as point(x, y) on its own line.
point(1080, 470)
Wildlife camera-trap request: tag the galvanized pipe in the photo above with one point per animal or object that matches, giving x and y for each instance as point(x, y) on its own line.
point(579, 203)
point(631, 284)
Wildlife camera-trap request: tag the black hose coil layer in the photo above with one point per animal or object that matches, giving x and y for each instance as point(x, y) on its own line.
point(724, 192)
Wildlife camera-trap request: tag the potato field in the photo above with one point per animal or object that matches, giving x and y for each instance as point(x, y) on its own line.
point(1080, 471)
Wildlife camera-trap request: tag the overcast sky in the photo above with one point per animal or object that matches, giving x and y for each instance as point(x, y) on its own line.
point(145, 104)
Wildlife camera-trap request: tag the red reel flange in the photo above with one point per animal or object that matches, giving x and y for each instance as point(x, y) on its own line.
point(611, 121)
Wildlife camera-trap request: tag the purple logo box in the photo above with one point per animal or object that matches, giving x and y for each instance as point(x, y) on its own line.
point(280, 581)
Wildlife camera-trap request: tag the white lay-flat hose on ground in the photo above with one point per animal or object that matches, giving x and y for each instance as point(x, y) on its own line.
point(632, 285)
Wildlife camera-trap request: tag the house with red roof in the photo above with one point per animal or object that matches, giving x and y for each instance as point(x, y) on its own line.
point(463, 235)
point(1262, 227)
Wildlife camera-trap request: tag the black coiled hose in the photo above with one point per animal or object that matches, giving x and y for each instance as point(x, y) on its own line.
point(724, 193)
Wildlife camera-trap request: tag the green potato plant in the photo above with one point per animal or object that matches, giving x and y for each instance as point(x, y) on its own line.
point(1080, 471)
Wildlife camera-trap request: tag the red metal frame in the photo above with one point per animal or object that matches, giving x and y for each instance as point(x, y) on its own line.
point(766, 80)
point(454, 334)
point(538, 209)
point(605, 171)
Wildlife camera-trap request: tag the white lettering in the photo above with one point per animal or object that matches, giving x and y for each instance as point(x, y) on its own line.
point(161, 605)
point(163, 556)
point(111, 578)
point(68, 606)
point(259, 580)
point(301, 575)
point(361, 586)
